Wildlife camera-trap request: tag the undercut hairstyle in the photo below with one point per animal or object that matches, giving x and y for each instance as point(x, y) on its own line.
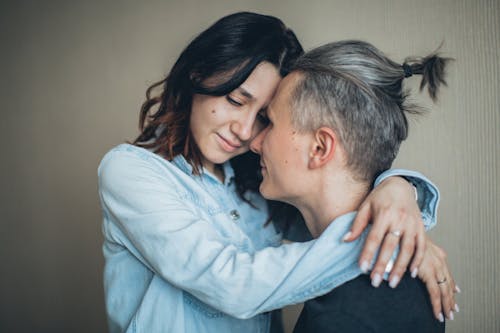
point(227, 53)
point(353, 88)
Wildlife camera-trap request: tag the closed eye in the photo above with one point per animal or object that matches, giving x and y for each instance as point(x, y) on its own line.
point(233, 101)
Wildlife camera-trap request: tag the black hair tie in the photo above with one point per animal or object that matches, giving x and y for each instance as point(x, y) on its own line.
point(407, 69)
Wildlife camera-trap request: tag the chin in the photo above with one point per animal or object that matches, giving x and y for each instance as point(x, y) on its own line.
point(219, 158)
point(265, 192)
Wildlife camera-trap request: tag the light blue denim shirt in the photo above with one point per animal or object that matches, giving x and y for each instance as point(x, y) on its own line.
point(184, 253)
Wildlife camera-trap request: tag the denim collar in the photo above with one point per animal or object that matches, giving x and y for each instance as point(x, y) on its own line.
point(181, 162)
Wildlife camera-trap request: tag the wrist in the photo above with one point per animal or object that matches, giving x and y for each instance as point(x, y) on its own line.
point(404, 182)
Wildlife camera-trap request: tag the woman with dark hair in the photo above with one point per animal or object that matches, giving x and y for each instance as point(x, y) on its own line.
point(189, 246)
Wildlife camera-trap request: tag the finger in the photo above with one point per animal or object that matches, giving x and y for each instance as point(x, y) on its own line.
point(373, 241)
point(447, 288)
point(360, 222)
point(421, 244)
point(405, 254)
point(453, 285)
point(455, 289)
point(391, 241)
point(435, 296)
point(450, 304)
point(446, 299)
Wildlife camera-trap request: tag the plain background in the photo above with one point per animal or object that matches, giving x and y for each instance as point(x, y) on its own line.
point(73, 75)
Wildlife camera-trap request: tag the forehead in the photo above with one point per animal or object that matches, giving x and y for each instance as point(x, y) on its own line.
point(264, 76)
point(282, 98)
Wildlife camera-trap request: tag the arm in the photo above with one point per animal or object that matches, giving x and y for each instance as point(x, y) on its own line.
point(188, 252)
point(392, 206)
point(427, 193)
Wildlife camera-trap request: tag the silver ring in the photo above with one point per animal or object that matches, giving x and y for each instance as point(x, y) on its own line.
point(396, 233)
point(442, 281)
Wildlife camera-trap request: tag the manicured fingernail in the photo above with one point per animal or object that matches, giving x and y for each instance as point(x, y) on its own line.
point(451, 316)
point(457, 309)
point(346, 236)
point(394, 281)
point(377, 279)
point(441, 318)
point(364, 266)
point(414, 272)
point(457, 289)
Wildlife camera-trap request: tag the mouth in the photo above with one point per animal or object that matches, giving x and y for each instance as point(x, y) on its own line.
point(228, 145)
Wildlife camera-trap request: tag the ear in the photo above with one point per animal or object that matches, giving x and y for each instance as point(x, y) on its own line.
point(323, 147)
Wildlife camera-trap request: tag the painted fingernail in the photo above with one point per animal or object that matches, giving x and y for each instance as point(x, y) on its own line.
point(457, 289)
point(441, 318)
point(376, 280)
point(451, 316)
point(364, 266)
point(394, 281)
point(457, 309)
point(414, 272)
point(346, 236)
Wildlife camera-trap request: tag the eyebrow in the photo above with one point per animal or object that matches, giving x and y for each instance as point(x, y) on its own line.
point(245, 93)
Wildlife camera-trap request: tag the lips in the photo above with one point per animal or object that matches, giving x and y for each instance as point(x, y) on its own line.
point(228, 145)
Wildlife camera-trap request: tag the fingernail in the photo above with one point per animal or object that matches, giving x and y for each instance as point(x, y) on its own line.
point(414, 272)
point(457, 289)
point(364, 266)
point(346, 236)
point(451, 315)
point(394, 281)
point(457, 309)
point(376, 280)
point(441, 318)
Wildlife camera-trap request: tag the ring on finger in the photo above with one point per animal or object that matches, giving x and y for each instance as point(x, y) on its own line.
point(441, 281)
point(396, 233)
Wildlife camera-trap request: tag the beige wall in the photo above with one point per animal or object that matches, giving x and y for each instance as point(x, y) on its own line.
point(73, 75)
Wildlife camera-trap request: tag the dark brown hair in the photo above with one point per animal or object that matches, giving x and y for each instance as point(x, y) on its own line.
point(233, 47)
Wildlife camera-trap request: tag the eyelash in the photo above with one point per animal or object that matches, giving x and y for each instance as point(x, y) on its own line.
point(261, 116)
point(232, 101)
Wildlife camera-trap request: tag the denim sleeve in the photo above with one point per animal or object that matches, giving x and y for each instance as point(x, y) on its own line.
point(427, 192)
point(168, 238)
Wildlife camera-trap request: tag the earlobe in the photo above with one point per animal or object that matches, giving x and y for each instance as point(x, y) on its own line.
point(323, 147)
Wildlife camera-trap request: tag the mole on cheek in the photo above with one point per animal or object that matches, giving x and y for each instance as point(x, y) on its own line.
point(213, 111)
point(286, 161)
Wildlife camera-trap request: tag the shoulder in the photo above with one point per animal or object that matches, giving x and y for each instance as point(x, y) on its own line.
point(125, 154)
point(128, 164)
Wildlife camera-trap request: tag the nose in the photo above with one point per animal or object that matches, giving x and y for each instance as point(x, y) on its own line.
point(256, 144)
point(243, 127)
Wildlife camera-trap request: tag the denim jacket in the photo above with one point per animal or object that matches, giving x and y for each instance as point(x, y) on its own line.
point(183, 253)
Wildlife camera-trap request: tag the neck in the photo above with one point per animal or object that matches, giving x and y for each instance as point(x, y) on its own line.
point(333, 196)
point(215, 169)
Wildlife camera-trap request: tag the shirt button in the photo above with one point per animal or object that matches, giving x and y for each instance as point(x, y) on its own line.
point(234, 214)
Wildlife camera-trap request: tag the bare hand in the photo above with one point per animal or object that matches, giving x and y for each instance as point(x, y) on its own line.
point(435, 273)
point(396, 220)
